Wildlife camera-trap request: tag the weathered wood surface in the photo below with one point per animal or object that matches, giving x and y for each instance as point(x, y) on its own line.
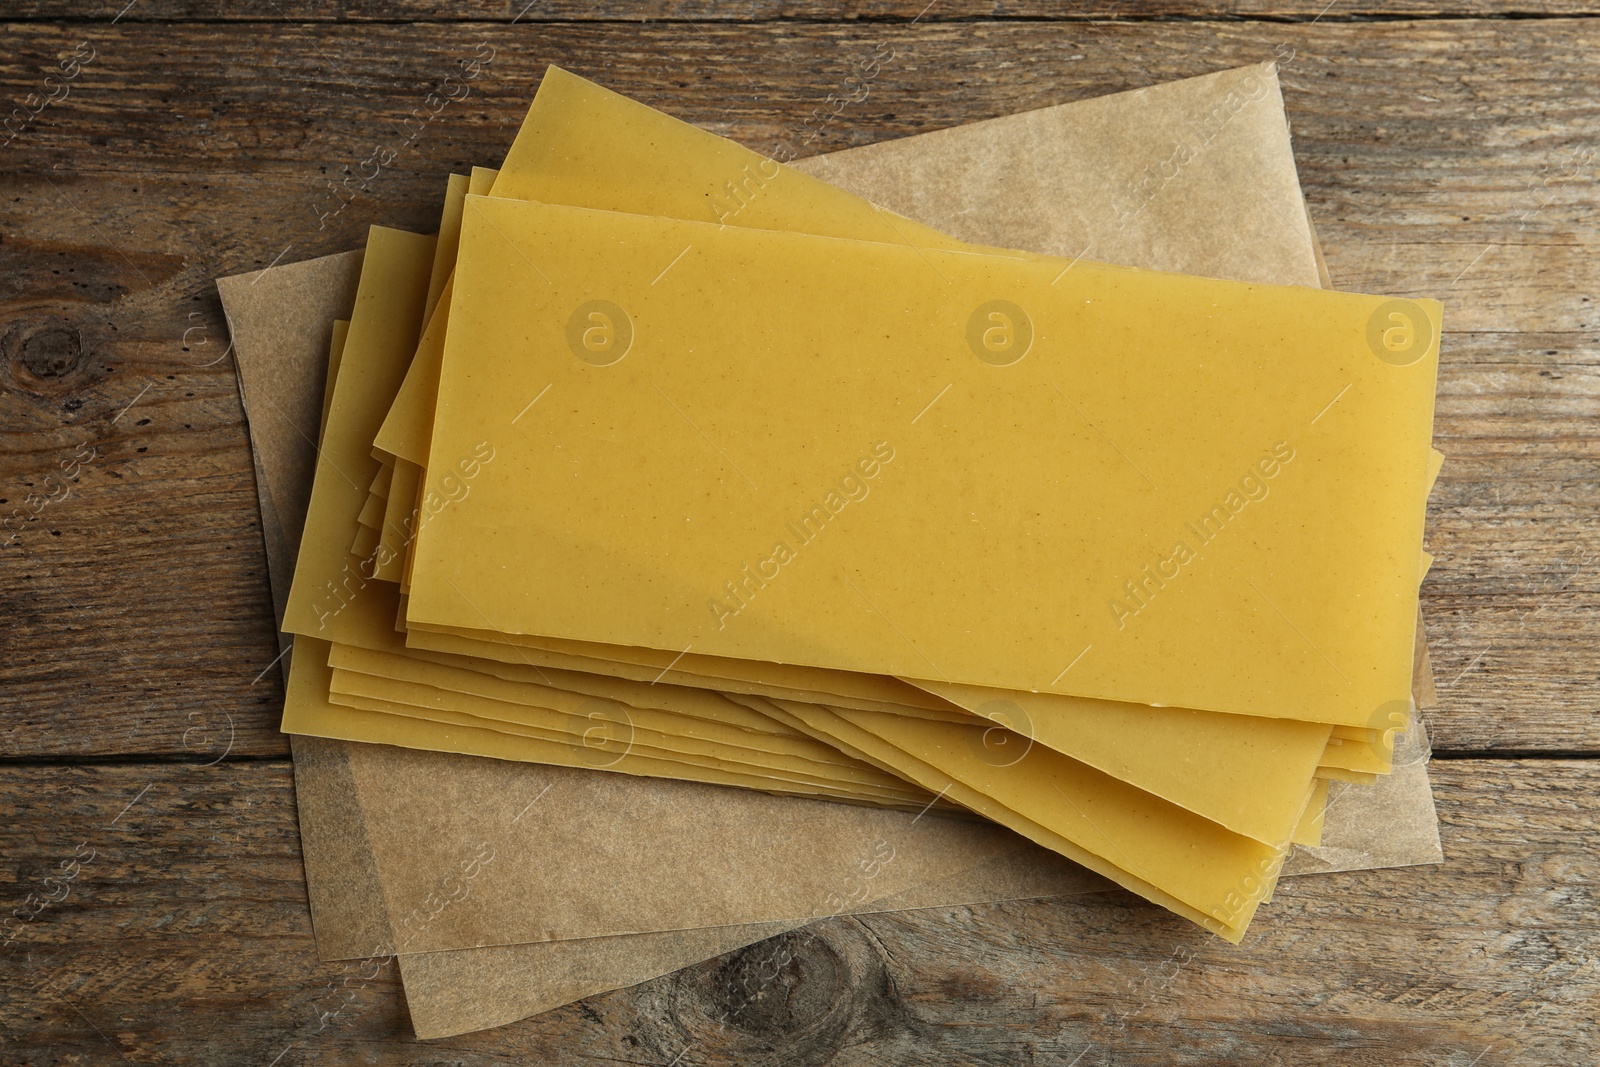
point(185, 939)
point(1453, 157)
point(774, 10)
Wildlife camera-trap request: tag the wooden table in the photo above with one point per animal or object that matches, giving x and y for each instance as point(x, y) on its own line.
point(1445, 150)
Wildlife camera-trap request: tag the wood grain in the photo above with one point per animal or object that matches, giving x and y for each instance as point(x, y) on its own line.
point(185, 939)
point(524, 11)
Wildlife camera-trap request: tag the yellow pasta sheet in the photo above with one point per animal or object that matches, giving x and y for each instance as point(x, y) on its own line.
point(1167, 855)
point(414, 683)
point(1246, 773)
point(308, 711)
point(384, 695)
point(671, 544)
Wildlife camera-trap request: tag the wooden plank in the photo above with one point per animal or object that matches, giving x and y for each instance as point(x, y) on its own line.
point(522, 11)
point(1452, 159)
point(185, 938)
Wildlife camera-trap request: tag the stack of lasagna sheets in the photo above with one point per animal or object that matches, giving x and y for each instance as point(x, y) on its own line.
point(667, 459)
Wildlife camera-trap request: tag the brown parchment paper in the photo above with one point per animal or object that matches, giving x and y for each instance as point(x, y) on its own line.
point(281, 357)
point(1194, 176)
point(470, 989)
point(502, 853)
point(1199, 177)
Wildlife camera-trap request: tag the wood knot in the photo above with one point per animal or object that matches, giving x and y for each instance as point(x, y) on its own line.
point(793, 1000)
point(43, 352)
point(778, 988)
